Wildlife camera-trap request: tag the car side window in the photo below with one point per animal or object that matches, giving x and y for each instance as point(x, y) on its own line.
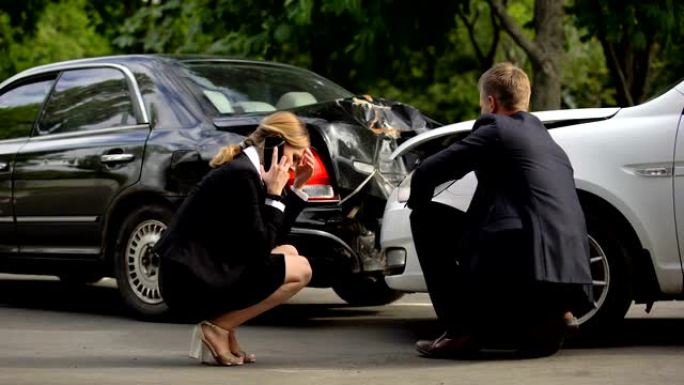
point(87, 99)
point(19, 107)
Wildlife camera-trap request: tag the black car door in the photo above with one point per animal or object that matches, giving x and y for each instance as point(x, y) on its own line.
point(87, 147)
point(20, 103)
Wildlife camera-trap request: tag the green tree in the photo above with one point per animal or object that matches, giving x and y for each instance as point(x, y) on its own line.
point(545, 50)
point(63, 30)
point(6, 44)
point(23, 15)
point(585, 78)
point(352, 42)
point(428, 55)
point(470, 13)
point(632, 33)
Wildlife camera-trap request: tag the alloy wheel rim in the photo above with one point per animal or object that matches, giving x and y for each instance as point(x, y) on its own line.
point(142, 264)
point(600, 278)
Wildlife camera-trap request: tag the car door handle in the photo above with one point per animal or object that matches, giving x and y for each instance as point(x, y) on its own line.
point(117, 158)
point(4, 166)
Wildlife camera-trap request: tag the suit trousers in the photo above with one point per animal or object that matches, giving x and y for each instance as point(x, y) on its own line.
point(490, 292)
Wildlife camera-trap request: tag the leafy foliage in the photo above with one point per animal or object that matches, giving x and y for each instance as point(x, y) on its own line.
point(63, 30)
point(632, 33)
point(426, 54)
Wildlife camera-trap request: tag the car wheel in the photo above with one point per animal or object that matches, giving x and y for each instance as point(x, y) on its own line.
point(611, 273)
point(136, 266)
point(366, 291)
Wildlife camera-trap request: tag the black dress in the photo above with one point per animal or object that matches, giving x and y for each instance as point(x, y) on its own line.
point(216, 253)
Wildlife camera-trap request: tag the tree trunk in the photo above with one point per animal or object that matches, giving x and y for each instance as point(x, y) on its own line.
point(545, 51)
point(617, 73)
point(546, 89)
point(548, 25)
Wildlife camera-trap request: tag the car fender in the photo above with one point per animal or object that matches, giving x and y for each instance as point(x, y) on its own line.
point(609, 159)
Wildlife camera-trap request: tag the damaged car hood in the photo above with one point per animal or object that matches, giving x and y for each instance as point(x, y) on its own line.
point(360, 133)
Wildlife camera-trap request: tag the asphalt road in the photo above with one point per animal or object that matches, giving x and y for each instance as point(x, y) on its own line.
point(52, 334)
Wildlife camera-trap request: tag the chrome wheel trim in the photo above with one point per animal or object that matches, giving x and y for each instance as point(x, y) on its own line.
point(141, 264)
point(600, 278)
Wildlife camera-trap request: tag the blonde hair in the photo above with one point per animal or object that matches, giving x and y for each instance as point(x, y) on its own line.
point(508, 84)
point(284, 124)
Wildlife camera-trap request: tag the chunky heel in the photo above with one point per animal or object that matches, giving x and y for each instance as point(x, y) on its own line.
point(207, 357)
point(196, 343)
point(202, 350)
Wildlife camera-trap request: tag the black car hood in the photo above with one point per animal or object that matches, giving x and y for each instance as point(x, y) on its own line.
point(360, 133)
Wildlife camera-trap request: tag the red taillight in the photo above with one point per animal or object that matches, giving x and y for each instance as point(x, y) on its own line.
point(318, 187)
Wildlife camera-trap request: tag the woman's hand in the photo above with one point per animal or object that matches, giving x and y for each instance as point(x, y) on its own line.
point(277, 176)
point(305, 169)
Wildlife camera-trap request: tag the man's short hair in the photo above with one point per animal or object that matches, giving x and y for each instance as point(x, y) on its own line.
point(508, 84)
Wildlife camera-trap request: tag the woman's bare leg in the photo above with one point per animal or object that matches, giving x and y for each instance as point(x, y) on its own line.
point(297, 276)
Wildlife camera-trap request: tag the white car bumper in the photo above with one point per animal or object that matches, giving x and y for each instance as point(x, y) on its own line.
point(397, 241)
point(396, 238)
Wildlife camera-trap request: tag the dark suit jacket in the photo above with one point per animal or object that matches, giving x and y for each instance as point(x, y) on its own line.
point(525, 182)
point(224, 228)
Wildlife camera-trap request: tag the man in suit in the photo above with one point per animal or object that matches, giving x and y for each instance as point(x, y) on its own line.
point(522, 259)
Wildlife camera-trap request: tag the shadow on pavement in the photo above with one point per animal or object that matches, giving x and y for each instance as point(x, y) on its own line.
point(636, 332)
point(54, 295)
point(58, 296)
point(99, 300)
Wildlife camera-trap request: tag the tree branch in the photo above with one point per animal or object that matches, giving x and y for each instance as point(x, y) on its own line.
point(611, 58)
point(470, 26)
point(496, 31)
point(513, 29)
point(622, 81)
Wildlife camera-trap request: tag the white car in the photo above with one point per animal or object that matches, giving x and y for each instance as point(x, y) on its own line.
point(629, 173)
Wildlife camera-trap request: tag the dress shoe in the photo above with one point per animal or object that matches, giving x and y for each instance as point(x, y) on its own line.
point(447, 346)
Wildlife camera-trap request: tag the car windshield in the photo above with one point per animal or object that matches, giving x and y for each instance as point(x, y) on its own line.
point(239, 88)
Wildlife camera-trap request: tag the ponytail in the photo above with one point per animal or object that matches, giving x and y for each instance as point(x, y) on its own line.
point(225, 155)
point(284, 124)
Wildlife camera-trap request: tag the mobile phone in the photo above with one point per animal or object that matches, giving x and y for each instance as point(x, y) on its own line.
point(270, 143)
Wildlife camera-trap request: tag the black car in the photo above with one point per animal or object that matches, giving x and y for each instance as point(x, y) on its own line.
point(96, 154)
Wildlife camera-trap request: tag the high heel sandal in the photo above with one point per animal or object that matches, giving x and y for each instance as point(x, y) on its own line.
point(201, 349)
point(246, 358)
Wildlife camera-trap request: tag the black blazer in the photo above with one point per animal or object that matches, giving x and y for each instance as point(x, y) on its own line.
point(525, 182)
point(224, 228)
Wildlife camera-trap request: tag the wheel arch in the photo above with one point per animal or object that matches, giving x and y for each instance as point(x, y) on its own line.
point(645, 285)
point(118, 212)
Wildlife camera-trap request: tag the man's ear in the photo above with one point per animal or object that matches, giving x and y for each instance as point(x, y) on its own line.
point(493, 105)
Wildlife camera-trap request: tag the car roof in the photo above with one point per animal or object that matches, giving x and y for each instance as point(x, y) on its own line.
point(122, 60)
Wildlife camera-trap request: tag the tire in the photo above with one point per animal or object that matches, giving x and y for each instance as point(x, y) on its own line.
point(366, 291)
point(136, 267)
point(611, 271)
